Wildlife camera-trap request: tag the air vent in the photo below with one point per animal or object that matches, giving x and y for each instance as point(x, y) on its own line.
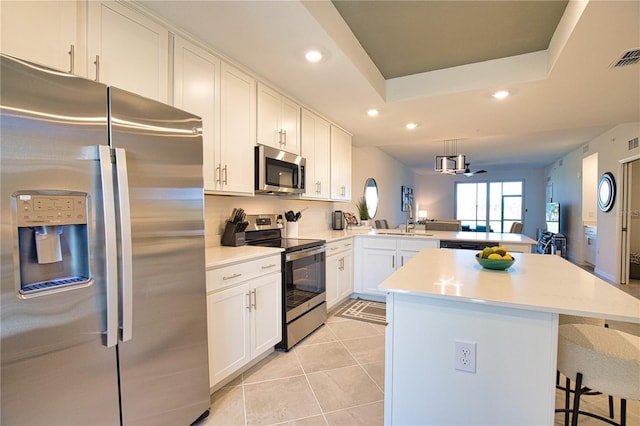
point(585, 149)
point(633, 144)
point(630, 57)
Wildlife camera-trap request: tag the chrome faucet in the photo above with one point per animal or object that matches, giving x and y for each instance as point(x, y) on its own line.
point(409, 214)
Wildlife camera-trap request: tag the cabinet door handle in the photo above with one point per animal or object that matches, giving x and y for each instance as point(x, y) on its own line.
point(284, 133)
point(318, 187)
point(268, 266)
point(97, 63)
point(225, 175)
point(72, 58)
point(248, 300)
point(255, 299)
point(393, 262)
point(229, 277)
point(401, 261)
point(219, 173)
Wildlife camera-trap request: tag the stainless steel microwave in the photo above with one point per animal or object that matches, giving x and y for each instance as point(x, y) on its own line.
point(278, 172)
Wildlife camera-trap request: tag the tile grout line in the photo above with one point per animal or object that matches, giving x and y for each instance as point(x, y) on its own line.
point(304, 372)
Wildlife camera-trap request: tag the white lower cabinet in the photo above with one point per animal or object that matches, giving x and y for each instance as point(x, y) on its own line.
point(339, 272)
point(244, 320)
point(377, 258)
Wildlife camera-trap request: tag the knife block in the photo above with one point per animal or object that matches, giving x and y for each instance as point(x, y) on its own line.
point(232, 238)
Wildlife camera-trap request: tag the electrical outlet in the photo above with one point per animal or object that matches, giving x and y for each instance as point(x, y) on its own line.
point(465, 356)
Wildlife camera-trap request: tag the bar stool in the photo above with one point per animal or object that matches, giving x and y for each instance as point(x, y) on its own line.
point(574, 319)
point(602, 359)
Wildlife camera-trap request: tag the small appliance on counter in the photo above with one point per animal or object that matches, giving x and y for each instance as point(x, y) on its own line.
point(338, 220)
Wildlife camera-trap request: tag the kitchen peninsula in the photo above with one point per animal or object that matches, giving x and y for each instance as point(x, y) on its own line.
point(441, 297)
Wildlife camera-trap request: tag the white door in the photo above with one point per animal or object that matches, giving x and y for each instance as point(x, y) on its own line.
point(127, 50)
point(269, 129)
point(196, 86)
point(44, 32)
point(237, 130)
point(332, 279)
point(378, 265)
point(266, 318)
point(290, 124)
point(345, 283)
point(228, 330)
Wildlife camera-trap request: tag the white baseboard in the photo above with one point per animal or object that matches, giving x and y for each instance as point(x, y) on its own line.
point(604, 275)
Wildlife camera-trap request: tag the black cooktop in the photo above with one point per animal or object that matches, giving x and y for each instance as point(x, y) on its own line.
point(266, 230)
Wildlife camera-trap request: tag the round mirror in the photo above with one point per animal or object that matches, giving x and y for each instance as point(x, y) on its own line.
point(371, 196)
point(606, 192)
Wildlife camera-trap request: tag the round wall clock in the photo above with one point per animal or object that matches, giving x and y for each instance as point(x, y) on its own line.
point(606, 192)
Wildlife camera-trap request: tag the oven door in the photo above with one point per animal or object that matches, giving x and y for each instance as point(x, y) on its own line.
point(304, 281)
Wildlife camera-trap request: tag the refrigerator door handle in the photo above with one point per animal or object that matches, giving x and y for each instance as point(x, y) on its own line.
point(111, 245)
point(126, 284)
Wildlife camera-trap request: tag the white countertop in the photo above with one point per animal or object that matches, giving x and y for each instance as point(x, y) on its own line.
point(502, 238)
point(534, 282)
point(219, 256)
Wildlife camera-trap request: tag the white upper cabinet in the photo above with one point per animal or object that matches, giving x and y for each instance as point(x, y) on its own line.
point(196, 88)
point(315, 145)
point(340, 164)
point(128, 50)
point(237, 131)
point(45, 32)
point(278, 120)
point(225, 99)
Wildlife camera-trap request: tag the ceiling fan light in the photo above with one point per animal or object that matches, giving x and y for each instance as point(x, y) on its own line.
point(372, 112)
point(411, 126)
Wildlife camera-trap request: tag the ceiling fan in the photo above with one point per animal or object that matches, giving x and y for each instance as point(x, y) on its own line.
point(467, 172)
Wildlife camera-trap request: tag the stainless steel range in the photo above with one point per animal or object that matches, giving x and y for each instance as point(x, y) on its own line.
point(303, 277)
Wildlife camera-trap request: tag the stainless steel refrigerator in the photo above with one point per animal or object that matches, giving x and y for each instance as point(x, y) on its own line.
point(103, 302)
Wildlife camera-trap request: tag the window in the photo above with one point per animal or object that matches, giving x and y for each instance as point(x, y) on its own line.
point(489, 206)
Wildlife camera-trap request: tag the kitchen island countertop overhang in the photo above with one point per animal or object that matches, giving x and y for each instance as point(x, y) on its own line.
point(540, 283)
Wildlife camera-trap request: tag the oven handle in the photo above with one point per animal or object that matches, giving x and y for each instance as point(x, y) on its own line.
point(304, 253)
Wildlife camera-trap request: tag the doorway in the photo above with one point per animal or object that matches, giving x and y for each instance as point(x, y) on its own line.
point(630, 222)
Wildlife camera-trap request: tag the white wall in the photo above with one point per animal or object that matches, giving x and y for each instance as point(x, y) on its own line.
point(435, 192)
point(566, 176)
point(589, 190)
point(389, 174)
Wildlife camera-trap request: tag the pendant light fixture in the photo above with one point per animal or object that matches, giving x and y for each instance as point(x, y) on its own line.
point(451, 162)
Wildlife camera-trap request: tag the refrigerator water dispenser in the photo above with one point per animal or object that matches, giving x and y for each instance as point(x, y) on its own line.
point(52, 250)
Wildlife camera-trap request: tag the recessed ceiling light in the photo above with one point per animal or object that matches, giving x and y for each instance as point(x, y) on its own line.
point(372, 112)
point(501, 94)
point(411, 126)
point(313, 56)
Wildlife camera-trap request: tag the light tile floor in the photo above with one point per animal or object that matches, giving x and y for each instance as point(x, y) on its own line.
point(333, 377)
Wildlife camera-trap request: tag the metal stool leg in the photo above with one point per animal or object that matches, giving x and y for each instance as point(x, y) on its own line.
point(576, 400)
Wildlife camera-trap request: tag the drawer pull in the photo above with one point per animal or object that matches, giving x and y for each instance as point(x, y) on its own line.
point(333, 248)
point(269, 266)
point(231, 277)
point(347, 245)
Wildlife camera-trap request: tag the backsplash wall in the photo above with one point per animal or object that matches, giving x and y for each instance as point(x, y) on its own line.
point(218, 208)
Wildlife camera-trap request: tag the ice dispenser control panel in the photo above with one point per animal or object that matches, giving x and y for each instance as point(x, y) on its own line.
point(52, 242)
point(40, 209)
